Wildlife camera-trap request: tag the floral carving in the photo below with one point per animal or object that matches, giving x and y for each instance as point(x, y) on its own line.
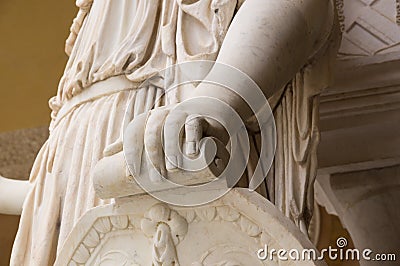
point(225, 213)
point(249, 227)
point(228, 214)
point(206, 213)
point(161, 213)
point(103, 225)
point(92, 239)
point(120, 222)
point(167, 228)
point(82, 254)
point(117, 257)
point(228, 255)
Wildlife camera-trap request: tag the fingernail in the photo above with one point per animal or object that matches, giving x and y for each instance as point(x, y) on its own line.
point(191, 148)
point(171, 162)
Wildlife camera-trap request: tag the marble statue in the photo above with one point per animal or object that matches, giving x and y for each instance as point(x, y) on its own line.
point(286, 47)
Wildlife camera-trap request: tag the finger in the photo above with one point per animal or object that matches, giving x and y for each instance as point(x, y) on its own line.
point(174, 123)
point(193, 134)
point(214, 128)
point(153, 143)
point(113, 148)
point(133, 143)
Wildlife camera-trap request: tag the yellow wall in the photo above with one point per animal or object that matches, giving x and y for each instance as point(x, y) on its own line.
point(32, 58)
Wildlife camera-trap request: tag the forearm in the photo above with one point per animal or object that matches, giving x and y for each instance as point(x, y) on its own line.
point(270, 41)
point(12, 195)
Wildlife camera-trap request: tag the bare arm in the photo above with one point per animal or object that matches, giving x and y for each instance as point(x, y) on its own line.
point(270, 40)
point(12, 195)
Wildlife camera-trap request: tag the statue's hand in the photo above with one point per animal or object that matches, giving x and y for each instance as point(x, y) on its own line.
point(166, 134)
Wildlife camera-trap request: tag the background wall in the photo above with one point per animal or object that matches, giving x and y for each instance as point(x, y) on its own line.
point(32, 58)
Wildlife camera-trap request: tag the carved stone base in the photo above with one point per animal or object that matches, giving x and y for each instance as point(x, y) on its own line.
point(139, 230)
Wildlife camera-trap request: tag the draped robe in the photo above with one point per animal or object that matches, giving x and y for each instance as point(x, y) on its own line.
point(113, 47)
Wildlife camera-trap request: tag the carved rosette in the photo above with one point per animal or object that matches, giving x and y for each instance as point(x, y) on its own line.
point(143, 231)
point(166, 228)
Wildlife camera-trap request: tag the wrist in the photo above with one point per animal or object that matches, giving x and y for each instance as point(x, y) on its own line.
point(225, 95)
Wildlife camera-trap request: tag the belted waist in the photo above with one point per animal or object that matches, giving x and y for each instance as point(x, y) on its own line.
point(96, 90)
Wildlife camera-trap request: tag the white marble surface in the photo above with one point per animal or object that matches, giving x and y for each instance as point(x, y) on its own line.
point(139, 230)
